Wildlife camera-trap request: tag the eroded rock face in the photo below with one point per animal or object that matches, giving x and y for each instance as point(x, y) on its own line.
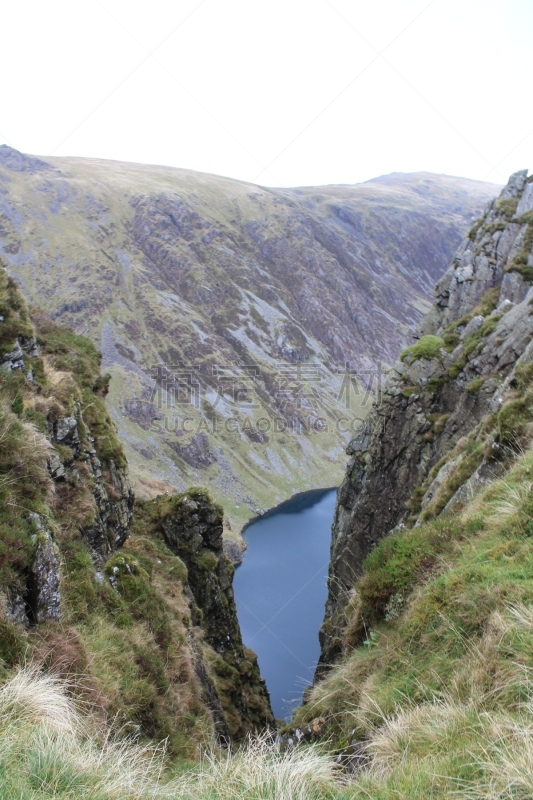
point(196, 451)
point(113, 497)
point(19, 162)
point(44, 596)
point(24, 346)
point(482, 316)
point(192, 528)
point(40, 600)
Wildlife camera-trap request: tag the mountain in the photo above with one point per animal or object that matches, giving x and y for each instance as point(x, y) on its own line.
point(244, 327)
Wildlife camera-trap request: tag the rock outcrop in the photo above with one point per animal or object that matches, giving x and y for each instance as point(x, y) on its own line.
point(113, 498)
point(191, 525)
point(425, 446)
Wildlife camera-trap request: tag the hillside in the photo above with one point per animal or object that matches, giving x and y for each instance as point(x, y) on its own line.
point(227, 312)
point(131, 603)
point(424, 681)
point(441, 396)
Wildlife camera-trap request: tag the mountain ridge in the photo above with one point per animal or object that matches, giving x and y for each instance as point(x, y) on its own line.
point(248, 288)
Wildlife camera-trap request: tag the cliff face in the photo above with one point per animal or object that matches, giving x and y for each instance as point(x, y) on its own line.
point(191, 526)
point(253, 298)
point(445, 420)
point(138, 601)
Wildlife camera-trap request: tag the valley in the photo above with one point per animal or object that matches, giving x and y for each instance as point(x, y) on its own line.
point(119, 626)
point(245, 328)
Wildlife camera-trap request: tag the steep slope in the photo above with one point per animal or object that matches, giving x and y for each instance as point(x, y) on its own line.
point(452, 408)
point(227, 312)
point(135, 606)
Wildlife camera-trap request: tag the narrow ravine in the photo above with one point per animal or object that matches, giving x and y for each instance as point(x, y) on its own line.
point(280, 591)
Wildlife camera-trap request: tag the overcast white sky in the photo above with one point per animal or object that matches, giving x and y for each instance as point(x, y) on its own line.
point(278, 92)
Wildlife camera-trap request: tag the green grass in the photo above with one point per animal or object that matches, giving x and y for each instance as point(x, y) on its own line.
point(51, 749)
point(507, 206)
point(427, 347)
point(443, 692)
point(486, 305)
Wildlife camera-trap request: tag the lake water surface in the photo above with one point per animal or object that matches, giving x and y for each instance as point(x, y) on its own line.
point(280, 591)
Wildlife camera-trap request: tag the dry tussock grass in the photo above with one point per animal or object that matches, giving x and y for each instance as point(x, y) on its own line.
point(46, 739)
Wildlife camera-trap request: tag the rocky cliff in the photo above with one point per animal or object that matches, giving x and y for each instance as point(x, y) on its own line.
point(191, 525)
point(136, 604)
point(227, 312)
point(452, 410)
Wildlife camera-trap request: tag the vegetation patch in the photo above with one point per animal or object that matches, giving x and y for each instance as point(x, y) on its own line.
point(486, 305)
point(427, 347)
point(472, 233)
point(451, 340)
point(507, 206)
point(520, 261)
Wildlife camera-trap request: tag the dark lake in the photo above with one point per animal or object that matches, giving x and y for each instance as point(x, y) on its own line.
point(280, 591)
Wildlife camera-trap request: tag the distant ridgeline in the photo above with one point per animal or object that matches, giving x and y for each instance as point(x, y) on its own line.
point(131, 601)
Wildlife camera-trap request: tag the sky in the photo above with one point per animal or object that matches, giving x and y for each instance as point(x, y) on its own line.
point(276, 92)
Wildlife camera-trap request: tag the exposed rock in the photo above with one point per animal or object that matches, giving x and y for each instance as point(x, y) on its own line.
point(485, 473)
point(74, 307)
point(19, 162)
point(43, 597)
point(196, 452)
point(192, 528)
point(429, 405)
point(14, 360)
point(24, 346)
point(438, 481)
point(211, 697)
point(114, 499)
point(65, 432)
point(16, 609)
point(142, 412)
point(233, 552)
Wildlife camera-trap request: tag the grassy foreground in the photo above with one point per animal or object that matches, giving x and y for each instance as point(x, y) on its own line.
point(50, 748)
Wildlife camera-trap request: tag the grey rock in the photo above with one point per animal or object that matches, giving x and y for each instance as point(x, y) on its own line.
point(397, 446)
point(66, 431)
point(14, 360)
point(19, 162)
point(55, 467)
point(474, 325)
point(515, 184)
point(526, 201)
point(484, 474)
point(232, 551)
point(114, 499)
point(439, 480)
point(43, 595)
point(16, 609)
point(193, 531)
